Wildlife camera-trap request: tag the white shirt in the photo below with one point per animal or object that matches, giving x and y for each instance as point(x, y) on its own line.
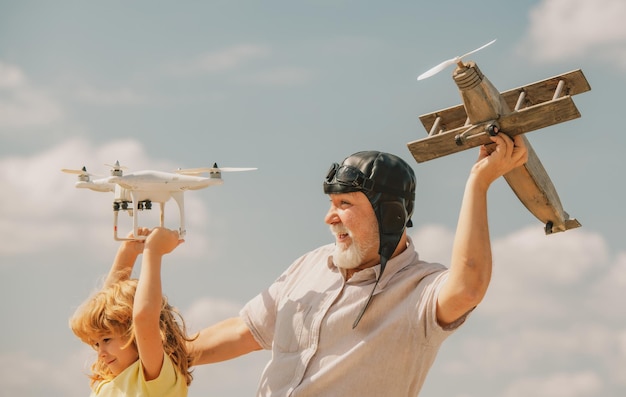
point(305, 317)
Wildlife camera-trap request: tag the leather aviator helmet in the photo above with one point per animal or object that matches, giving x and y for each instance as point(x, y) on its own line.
point(389, 184)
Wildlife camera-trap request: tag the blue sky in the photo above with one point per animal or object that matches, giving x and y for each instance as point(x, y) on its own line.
point(290, 87)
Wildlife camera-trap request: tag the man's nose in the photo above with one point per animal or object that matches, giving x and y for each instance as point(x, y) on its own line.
point(331, 216)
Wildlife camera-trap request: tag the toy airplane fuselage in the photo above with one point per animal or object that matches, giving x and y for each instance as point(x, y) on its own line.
point(485, 111)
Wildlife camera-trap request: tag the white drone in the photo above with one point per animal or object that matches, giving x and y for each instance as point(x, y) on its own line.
point(145, 187)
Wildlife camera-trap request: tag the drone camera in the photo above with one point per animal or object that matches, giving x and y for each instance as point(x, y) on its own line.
point(144, 205)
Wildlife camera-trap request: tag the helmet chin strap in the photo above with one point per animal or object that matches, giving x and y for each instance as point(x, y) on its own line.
point(388, 244)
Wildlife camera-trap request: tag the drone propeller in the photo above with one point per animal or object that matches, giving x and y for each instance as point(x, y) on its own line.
point(117, 166)
point(116, 169)
point(214, 169)
point(83, 175)
point(449, 62)
point(82, 171)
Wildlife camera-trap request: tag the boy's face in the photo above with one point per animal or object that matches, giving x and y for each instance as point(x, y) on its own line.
point(114, 354)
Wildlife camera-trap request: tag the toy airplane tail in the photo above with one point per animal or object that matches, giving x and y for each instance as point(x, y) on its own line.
point(533, 187)
point(568, 224)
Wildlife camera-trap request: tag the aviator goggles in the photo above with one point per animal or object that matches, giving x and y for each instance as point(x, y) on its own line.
point(349, 176)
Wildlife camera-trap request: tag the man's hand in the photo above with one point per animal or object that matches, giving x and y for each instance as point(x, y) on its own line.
point(494, 162)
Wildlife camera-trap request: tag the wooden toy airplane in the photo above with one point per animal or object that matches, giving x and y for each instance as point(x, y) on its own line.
point(145, 187)
point(485, 111)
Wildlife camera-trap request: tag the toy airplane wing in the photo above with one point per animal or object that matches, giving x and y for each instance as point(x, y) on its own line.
point(537, 105)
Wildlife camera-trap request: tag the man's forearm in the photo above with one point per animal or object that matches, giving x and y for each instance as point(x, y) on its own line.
point(223, 341)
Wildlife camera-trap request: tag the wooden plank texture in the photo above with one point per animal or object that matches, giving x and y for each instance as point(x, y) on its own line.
point(526, 120)
point(536, 93)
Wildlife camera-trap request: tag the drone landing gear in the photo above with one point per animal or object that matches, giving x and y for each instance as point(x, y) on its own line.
point(124, 206)
point(180, 200)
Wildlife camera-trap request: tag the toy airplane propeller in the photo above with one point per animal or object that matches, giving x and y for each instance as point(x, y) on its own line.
point(451, 61)
point(485, 111)
point(142, 188)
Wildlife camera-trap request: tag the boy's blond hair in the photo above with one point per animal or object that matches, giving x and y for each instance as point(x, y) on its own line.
point(110, 312)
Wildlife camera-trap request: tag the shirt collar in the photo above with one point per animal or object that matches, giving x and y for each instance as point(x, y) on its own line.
point(394, 265)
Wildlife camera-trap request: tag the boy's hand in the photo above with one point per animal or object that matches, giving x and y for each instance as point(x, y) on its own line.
point(134, 247)
point(162, 241)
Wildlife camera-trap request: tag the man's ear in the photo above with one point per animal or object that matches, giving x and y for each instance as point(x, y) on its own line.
point(392, 217)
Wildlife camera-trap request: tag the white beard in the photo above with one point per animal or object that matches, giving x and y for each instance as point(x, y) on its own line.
point(352, 256)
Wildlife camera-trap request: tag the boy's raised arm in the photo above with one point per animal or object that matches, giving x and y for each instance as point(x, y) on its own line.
point(125, 258)
point(148, 300)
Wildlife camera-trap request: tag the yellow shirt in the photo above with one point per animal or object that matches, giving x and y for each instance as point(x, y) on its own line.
point(131, 382)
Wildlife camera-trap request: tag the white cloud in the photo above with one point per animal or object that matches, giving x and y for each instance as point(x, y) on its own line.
point(535, 347)
point(279, 76)
point(616, 277)
point(22, 104)
point(236, 377)
point(433, 243)
point(549, 325)
point(208, 311)
point(609, 286)
point(236, 58)
point(11, 76)
point(351, 45)
point(21, 374)
point(563, 384)
point(562, 258)
point(224, 60)
point(122, 96)
point(573, 29)
point(528, 261)
point(533, 271)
